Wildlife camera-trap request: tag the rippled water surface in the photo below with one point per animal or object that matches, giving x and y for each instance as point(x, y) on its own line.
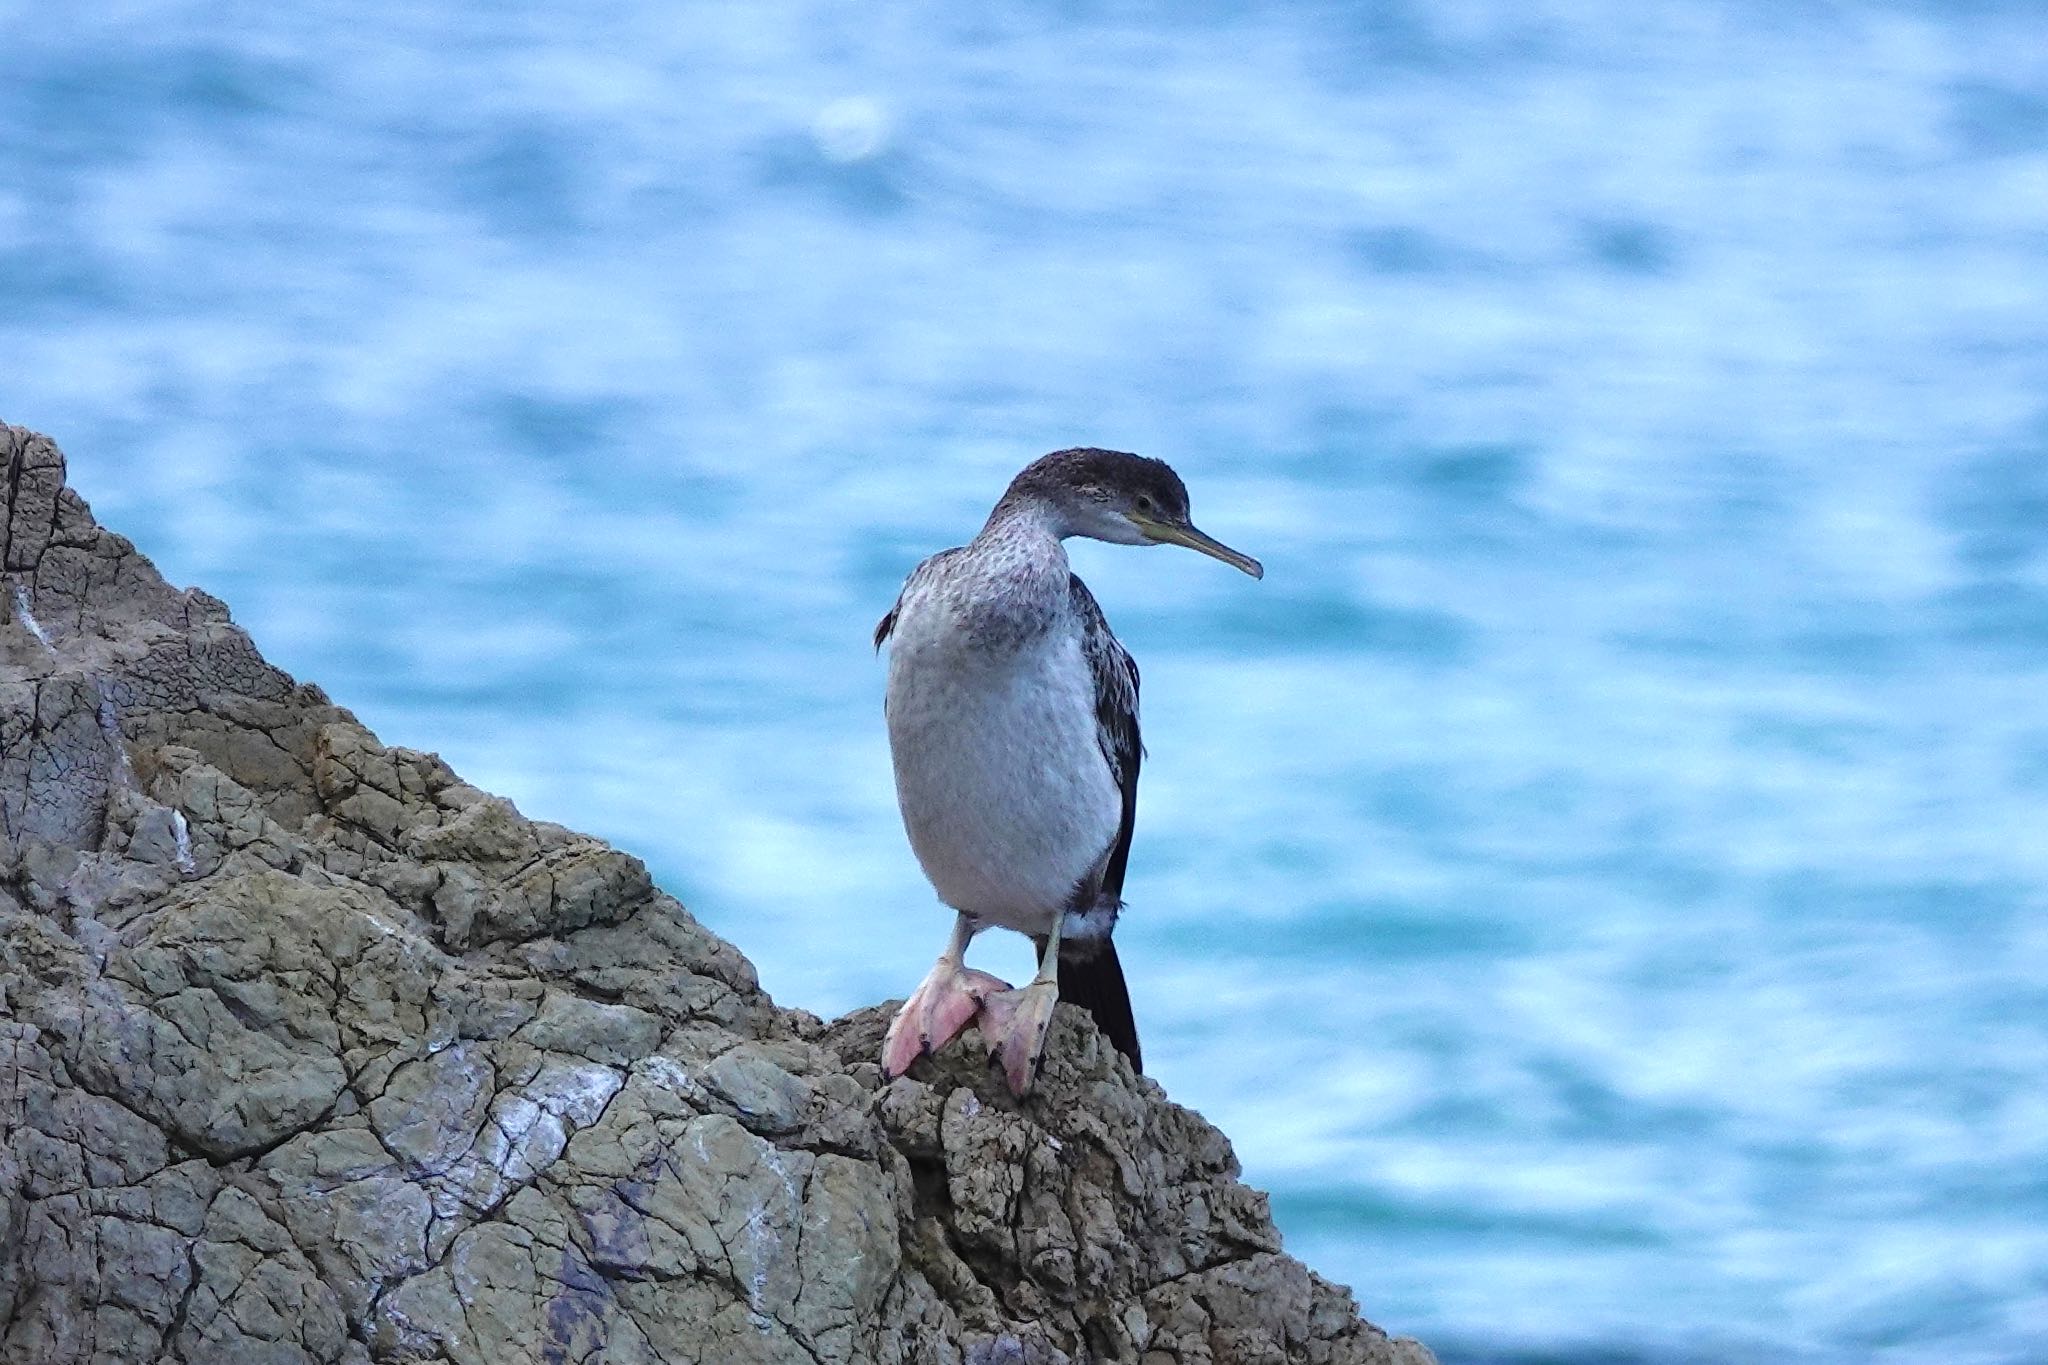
point(1597, 878)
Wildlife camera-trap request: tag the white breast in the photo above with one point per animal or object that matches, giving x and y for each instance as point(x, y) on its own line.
point(1005, 793)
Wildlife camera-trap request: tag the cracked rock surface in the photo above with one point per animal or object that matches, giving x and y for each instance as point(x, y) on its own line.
point(310, 1051)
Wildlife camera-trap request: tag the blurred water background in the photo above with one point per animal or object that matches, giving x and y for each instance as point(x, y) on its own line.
point(1596, 879)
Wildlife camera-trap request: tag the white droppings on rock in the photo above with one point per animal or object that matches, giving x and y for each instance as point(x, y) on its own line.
point(577, 1092)
point(667, 1072)
point(530, 1138)
point(123, 775)
point(182, 832)
point(764, 1243)
point(28, 619)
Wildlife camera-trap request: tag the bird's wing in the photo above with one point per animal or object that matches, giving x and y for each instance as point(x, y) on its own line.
point(1116, 720)
point(886, 627)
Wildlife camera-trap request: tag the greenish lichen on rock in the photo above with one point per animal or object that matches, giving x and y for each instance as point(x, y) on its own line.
point(310, 1051)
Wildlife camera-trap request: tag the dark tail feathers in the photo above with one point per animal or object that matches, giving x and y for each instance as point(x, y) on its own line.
point(1091, 977)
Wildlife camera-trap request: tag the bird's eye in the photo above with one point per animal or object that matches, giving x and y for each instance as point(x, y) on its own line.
point(1145, 504)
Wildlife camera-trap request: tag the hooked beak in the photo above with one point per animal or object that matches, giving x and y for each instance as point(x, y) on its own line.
point(1184, 533)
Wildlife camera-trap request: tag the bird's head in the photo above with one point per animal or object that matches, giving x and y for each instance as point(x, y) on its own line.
point(1121, 498)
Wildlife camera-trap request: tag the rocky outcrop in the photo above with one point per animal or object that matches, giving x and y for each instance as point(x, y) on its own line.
point(310, 1051)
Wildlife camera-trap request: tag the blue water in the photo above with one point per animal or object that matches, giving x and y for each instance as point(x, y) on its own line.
point(1597, 878)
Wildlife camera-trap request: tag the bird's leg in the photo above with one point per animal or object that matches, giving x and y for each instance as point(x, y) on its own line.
point(948, 1000)
point(1014, 1022)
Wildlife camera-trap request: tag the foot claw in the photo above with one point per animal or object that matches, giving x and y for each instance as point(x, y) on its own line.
point(944, 1004)
point(1014, 1025)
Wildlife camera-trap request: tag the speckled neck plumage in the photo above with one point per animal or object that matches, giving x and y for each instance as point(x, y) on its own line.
point(1010, 583)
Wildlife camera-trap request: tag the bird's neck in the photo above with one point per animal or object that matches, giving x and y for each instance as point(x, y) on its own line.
point(1020, 547)
point(1026, 518)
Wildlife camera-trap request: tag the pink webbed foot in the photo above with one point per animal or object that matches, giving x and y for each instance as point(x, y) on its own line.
point(931, 1018)
point(1013, 1024)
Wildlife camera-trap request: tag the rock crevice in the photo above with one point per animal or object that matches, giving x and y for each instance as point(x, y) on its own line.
point(311, 1051)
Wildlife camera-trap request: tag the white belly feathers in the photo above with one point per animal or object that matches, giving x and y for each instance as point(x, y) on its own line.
point(1005, 793)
